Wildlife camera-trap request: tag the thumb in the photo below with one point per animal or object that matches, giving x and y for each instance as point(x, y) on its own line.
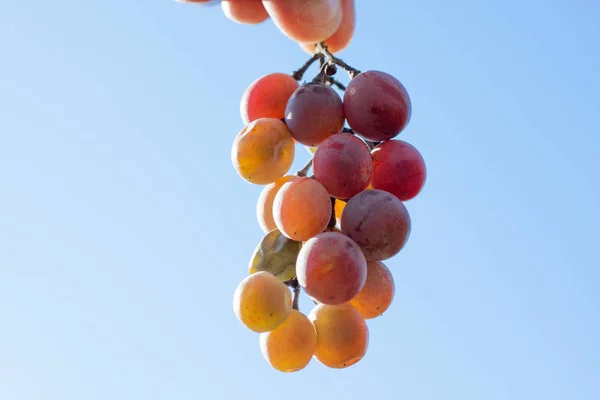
point(305, 21)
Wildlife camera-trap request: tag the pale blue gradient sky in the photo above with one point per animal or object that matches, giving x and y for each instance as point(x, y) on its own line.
point(124, 229)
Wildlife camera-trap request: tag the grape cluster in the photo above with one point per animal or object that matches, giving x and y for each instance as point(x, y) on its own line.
point(326, 234)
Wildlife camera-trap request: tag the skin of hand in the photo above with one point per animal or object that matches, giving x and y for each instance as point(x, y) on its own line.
point(304, 21)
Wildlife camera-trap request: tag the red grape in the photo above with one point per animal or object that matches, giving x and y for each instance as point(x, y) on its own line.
point(313, 113)
point(378, 222)
point(376, 106)
point(267, 96)
point(343, 164)
point(331, 268)
point(399, 169)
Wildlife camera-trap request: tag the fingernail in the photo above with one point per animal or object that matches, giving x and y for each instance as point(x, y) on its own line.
point(319, 12)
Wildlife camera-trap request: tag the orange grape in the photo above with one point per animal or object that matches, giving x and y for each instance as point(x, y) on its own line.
point(267, 97)
point(378, 292)
point(263, 151)
point(302, 209)
point(331, 268)
point(342, 335)
point(262, 302)
point(290, 346)
point(264, 207)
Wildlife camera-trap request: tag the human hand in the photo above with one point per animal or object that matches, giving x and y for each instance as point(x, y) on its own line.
point(304, 21)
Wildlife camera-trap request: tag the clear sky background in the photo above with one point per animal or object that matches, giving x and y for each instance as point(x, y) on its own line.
point(124, 229)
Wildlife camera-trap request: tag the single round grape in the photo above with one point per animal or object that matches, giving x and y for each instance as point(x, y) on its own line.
point(342, 335)
point(290, 346)
point(264, 206)
point(262, 302)
point(376, 106)
point(267, 97)
point(343, 164)
point(331, 268)
point(377, 294)
point(263, 151)
point(399, 169)
point(378, 222)
point(302, 209)
point(313, 113)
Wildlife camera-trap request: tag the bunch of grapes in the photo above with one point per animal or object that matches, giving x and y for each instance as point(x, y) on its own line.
point(327, 234)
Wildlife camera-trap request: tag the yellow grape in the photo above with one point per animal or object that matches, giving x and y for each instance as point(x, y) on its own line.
point(342, 334)
point(263, 151)
point(290, 346)
point(262, 302)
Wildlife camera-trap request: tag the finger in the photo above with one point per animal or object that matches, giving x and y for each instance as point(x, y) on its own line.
point(342, 37)
point(305, 21)
point(245, 11)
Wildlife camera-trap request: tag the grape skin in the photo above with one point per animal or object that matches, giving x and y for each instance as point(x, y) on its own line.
point(378, 222)
point(342, 335)
point(313, 113)
point(262, 302)
point(399, 169)
point(290, 346)
point(343, 164)
point(377, 106)
point(264, 205)
point(377, 294)
point(302, 209)
point(331, 268)
point(263, 151)
point(267, 97)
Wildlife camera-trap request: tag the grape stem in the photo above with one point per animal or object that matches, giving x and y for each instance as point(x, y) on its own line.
point(332, 220)
point(293, 283)
point(332, 81)
point(296, 297)
point(304, 171)
point(322, 49)
point(325, 58)
point(298, 74)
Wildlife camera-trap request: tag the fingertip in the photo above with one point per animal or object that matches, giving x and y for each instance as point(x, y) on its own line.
point(305, 21)
point(343, 35)
point(245, 11)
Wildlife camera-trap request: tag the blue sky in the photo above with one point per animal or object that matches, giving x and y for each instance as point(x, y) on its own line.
point(124, 229)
